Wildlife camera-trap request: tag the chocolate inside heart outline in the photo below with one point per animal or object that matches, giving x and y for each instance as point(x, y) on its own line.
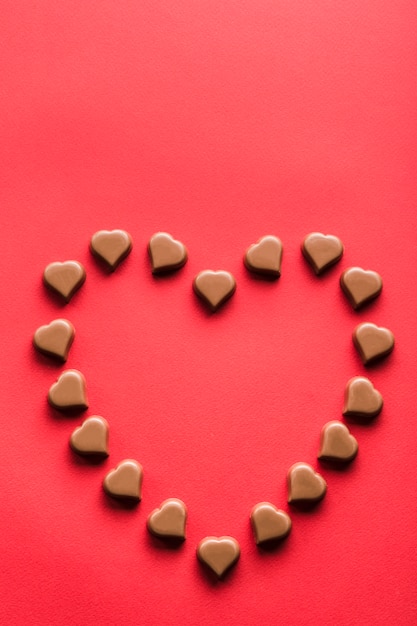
point(254, 261)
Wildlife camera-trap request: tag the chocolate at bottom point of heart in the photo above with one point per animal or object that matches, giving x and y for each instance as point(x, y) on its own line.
point(168, 522)
point(219, 554)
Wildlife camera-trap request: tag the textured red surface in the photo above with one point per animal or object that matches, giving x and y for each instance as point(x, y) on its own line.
point(218, 122)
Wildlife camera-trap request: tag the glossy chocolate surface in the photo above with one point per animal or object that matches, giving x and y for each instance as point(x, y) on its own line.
point(69, 392)
point(337, 444)
point(214, 288)
point(168, 522)
point(265, 256)
point(322, 251)
point(125, 481)
point(218, 553)
point(166, 253)
point(55, 339)
point(111, 246)
point(361, 399)
point(269, 524)
point(372, 342)
point(305, 486)
point(360, 286)
point(64, 278)
point(92, 437)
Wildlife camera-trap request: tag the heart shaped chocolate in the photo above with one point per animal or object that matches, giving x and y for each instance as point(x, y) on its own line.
point(92, 437)
point(372, 342)
point(166, 253)
point(269, 524)
point(337, 444)
point(360, 286)
point(111, 246)
point(168, 522)
point(55, 339)
point(265, 257)
point(305, 486)
point(362, 399)
point(69, 392)
point(64, 278)
point(322, 251)
point(125, 481)
point(214, 288)
point(218, 553)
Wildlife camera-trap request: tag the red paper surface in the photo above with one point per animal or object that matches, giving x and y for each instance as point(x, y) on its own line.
point(218, 122)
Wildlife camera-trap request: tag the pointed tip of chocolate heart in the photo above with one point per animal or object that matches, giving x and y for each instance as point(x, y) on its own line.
point(322, 251)
point(166, 253)
point(219, 554)
point(111, 247)
point(69, 392)
point(64, 278)
point(305, 486)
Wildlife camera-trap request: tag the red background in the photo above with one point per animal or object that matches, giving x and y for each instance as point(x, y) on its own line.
point(218, 122)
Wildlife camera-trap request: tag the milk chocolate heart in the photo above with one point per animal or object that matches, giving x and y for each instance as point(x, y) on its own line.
point(214, 288)
point(337, 444)
point(362, 399)
point(125, 481)
point(269, 524)
point(168, 522)
point(69, 392)
point(64, 278)
point(55, 339)
point(218, 553)
point(111, 246)
point(166, 253)
point(360, 286)
point(92, 437)
point(372, 342)
point(322, 251)
point(305, 486)
point(265, 257)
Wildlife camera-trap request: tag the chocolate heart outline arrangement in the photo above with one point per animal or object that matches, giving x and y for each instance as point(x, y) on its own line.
point(338, 447)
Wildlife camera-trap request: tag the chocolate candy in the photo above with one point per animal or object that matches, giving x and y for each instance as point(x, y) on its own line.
point(91, 438)
point(361, 399)
point(64, 278)
point(168, 522)
point(111, 246)
point(360, 286)
point(219, 554)
point(166, 253)
point(265, 257)
point(69, 392)
point(125, 481)
point(372, 342)
point(269, 524)
point(337, 444)
point(214, 288)
point(322, 251)
point(305, 486)
point(55, 339)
